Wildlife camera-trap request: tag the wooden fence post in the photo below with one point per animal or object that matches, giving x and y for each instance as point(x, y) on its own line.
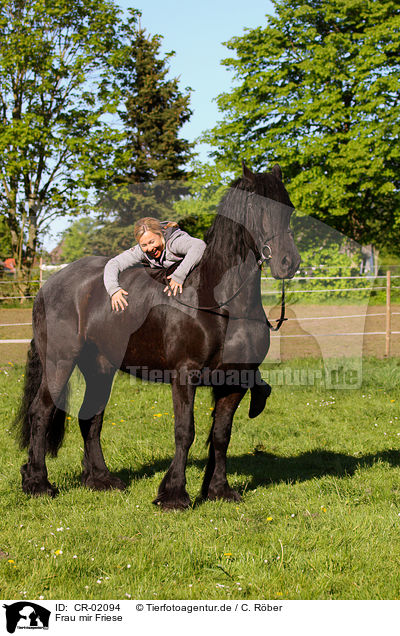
point(41, 271)
point(388, 315)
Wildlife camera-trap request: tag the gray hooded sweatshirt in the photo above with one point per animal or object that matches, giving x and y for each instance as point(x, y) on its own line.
point(179, 247)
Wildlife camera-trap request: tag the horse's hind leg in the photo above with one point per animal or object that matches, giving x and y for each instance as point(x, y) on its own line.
point(215, 484)
point(99, 377)
point(172, 491)
point(46, 424)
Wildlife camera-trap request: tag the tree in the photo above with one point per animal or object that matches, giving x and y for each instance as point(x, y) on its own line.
point(155, 110)
point(152, 112)
point(317, 90)
point(57, 84)
point(5, 240)
point(75, 239)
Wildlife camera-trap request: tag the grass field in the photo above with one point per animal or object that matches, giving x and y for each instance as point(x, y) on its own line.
point(319, 472)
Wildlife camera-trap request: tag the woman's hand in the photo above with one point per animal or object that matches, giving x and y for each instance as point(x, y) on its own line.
point(118, 302)
point(173, 287)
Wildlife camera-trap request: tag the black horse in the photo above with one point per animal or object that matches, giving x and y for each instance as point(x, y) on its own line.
point(215, 335)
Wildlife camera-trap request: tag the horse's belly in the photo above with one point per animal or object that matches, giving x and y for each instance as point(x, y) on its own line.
point(169, 339)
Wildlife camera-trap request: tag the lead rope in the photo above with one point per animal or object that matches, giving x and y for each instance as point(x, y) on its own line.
point(281, 318)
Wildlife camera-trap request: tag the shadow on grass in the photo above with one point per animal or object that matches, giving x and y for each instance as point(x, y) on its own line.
point(265, 469)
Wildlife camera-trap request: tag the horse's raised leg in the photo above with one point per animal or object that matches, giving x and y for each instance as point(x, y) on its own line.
point(172, 491)
point(215, 484)
point(99, 377)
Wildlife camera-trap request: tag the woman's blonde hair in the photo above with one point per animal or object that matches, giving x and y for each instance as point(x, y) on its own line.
point(149, 224)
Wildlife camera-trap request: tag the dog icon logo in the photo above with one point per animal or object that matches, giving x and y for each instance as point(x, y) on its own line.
point(26, 615)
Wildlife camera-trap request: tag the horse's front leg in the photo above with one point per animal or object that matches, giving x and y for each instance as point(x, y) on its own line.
point(215, 484)
point(172, 491)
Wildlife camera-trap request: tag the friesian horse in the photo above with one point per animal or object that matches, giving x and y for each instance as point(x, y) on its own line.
point(215, 334)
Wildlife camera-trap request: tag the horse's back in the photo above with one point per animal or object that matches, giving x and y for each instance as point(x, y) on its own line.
point(76, 276)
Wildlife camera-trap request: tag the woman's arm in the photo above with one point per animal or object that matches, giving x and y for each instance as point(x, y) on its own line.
point(112, 269)
point(192, 249)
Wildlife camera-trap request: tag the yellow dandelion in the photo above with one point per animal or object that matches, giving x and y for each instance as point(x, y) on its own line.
point(227, 553)
point(393, 400)
point(58, 552)
point(113, 424)
point(323, 508)
point(11, 561)
point(157, 415)
point(269, 518)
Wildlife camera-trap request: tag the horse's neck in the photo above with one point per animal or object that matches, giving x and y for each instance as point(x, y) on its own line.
point(229, 273)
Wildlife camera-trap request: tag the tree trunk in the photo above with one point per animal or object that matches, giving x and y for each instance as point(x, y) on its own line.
point(24, 258)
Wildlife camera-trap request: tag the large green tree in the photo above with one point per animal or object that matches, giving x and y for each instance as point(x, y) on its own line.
point(58, 86)
point(317, 89)
point(153, 111)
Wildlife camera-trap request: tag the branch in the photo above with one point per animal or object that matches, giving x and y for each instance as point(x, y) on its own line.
point(53, 174)
point(6, 188)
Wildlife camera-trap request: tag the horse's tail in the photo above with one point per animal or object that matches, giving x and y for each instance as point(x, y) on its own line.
point(33, 379)
point(23, 423)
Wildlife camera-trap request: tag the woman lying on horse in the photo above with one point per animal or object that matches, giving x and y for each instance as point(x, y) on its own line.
point(159, 245)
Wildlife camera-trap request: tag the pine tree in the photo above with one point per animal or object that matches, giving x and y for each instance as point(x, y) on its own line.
point(153, 172)
point(155, 111)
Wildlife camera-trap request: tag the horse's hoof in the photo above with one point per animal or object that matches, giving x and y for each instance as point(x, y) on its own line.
point(38, 485)
point(168, 501)
point(227, 493)
point(103, 483)
point(39, 488)
point(259, 396)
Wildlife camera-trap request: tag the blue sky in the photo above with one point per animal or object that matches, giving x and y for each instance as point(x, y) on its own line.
point(195, 31)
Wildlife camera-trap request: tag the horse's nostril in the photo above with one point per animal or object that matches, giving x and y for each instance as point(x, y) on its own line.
point(285, 261)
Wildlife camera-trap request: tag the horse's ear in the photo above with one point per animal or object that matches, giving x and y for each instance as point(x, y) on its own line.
point(247, 173)
point(277, 172)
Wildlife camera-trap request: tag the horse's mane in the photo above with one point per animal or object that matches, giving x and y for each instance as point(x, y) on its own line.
point(230, 234)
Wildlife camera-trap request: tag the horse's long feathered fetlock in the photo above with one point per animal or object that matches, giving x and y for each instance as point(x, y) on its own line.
point(22, 422)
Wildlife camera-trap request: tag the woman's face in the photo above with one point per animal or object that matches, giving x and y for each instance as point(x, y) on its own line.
point(152, 244)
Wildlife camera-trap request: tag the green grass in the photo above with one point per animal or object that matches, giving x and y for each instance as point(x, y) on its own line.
point(320, 476)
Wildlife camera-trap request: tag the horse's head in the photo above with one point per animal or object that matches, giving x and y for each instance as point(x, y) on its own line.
point(268, 213)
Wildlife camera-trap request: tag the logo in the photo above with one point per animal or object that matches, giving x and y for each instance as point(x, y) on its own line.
point(26, 615)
